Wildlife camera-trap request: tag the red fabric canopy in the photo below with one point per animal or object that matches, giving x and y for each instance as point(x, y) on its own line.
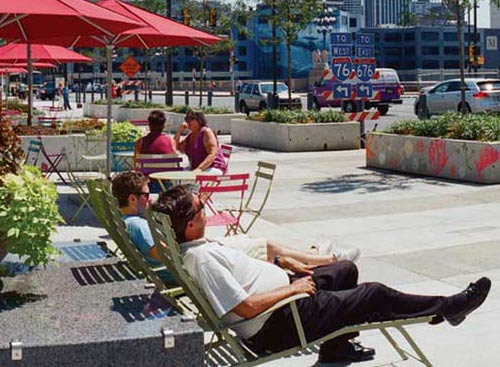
point(160, 31)
point(36, 65)
point(30, 20)
point(16, 52)
point(12, 69)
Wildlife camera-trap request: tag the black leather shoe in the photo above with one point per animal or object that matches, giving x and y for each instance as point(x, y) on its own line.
point(354, 352)
point(475, 294)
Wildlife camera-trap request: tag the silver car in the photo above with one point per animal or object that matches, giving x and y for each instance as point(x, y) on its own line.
point(481, 96)
point(253, 96)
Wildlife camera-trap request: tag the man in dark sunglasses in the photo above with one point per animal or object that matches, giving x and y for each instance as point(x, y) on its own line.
point(132, 191)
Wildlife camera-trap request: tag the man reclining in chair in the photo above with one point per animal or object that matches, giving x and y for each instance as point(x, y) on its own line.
point(132, 191)
point(240, 287)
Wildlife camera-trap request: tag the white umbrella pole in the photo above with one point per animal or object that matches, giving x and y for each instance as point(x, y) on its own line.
point(30, 84)
point(109, 81)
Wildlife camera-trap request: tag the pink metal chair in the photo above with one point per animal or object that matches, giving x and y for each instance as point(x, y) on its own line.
point(52, 160)
point(152, 163)
point(215, 184)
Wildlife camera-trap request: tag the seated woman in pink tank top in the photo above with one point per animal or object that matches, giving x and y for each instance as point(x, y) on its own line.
point(155, 142)
point(200, 145)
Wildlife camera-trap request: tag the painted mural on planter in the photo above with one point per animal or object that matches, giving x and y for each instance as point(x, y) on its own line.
point(448, 158)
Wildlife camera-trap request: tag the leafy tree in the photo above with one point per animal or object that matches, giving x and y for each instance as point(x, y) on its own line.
point(220, 20)
point(290, 17)
point(408, 19)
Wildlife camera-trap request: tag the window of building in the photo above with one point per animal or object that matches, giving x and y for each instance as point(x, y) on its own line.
point(451, 64)
point(430, 36)
point(353, 22)
point(242, 66)
point(449, 36)
point(430, 50)
point(410, 64)
point(242, 36)
point(188, 52)
point(392, 37)
point(450, 50)
point(242, 50)
point(392, 51)
point(430, 64)
point(410, 50)
point(410, 36)
point(470, 37)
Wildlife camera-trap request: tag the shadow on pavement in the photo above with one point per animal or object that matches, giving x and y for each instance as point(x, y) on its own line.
point(375, 181)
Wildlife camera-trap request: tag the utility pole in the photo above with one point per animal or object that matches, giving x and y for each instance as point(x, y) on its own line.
point(475, 36)
point(169, 85)
point(274, 54)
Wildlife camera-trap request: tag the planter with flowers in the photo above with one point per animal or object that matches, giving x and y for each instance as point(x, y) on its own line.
point(296, 131)
point(453, 146)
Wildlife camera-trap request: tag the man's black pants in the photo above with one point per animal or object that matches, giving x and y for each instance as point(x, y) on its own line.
point(340, 302)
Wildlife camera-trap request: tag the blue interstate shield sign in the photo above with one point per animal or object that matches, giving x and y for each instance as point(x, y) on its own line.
point(364, 68)
point(341, 68)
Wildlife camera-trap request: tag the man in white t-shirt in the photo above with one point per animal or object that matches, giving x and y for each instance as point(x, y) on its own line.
point(240, 287)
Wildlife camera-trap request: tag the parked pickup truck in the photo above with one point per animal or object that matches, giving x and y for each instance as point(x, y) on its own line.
point(387, 84)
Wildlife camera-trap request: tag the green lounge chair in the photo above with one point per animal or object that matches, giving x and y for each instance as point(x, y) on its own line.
point(239, 353)
point(106, 210)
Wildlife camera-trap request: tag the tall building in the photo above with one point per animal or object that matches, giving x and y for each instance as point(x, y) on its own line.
point(355, 10)
point(488, 15)
point(384, 12)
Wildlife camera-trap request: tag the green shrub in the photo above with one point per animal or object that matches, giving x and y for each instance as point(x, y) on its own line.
point(28, 215)
point(478, 127)
point(122, 132)
point(180, 109)
point(143, 104)
point(297, 117)
point(216, 110)
point(15, 104)
point(118, 101)
point(11, 152)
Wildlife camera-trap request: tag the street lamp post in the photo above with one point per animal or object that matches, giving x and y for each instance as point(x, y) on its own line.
point(325, 22)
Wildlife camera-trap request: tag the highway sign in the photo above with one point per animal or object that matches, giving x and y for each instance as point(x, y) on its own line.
point(364, 68)
point(342, 51)
point(340, 39)
point(365, 51)
point(341, 91)
point(341, 68)
point(364, 90)
point(366, 39)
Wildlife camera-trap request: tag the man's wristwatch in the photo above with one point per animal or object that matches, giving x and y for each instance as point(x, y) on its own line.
point(276, 260)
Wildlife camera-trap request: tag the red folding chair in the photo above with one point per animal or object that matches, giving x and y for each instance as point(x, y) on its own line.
point(152, 163)
point(214, 184)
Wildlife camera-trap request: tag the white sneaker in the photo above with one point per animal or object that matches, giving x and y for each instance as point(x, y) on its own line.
point(327, 248)
point(351, 254)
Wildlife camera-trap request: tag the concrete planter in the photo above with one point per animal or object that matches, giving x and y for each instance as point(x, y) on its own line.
point(100, 111)
point(125, 114)
point(454, 159)
point(75, 146)
point(219, 123)
point(295, 137)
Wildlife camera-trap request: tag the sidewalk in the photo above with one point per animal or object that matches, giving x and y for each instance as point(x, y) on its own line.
point(417, 234)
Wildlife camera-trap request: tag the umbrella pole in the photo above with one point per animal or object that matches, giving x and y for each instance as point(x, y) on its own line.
point(109, 81)
point(30, 84)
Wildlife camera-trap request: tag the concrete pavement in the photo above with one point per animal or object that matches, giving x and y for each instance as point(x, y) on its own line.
point(417, 234)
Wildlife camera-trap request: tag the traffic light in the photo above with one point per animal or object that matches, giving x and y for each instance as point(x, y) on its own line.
point(471, 54)
point(212, 18)
point(185, 16)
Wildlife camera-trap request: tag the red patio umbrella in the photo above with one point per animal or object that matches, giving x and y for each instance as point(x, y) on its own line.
point(36, 65)
point(6, 69)
point(158, 31)
point(16, 53)
point(30, 20)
